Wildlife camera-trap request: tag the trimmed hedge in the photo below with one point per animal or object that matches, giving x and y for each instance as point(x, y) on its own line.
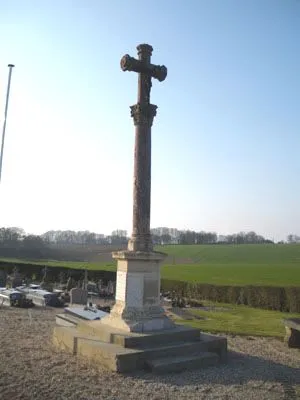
point(285, 299)
point(55, 274)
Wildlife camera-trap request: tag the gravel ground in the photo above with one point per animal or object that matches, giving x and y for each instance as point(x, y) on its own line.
point(31, 369)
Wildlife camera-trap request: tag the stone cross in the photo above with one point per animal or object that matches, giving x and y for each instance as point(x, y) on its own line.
point(143, 113)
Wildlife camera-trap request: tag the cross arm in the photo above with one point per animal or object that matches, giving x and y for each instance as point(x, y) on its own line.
point(155, 71)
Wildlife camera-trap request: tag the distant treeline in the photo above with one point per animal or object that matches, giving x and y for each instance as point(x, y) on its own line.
point(192, 237)
point(14, 242)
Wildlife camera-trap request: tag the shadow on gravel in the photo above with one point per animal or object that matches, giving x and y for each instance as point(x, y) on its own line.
point(241, 369)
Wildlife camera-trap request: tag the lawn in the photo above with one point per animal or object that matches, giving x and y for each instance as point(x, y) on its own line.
point(240, 320)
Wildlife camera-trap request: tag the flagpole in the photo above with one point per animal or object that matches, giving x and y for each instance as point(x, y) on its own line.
point(10, 66)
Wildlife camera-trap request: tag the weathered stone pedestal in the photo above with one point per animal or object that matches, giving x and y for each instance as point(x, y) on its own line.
point(137, 334)
point(137, 307)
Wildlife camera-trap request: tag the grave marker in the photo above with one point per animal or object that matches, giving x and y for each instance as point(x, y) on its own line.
point(78, 296)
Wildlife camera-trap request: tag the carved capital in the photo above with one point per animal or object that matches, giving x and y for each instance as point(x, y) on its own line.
point(143, 114)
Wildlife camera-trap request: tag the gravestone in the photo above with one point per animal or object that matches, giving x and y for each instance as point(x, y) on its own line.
point(78, 296)
point(3, 277)
point(111, 288)
point(16, 280)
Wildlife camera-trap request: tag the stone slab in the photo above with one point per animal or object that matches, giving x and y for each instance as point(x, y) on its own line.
point(90, 315)
point(134, 340)
point(182, 363)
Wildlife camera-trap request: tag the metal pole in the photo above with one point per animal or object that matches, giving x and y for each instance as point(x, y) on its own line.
point(10, 66)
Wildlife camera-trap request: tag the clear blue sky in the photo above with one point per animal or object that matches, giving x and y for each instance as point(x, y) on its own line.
point(226, 139)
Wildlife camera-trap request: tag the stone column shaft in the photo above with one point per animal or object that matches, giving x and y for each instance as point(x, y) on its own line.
point(142, 186)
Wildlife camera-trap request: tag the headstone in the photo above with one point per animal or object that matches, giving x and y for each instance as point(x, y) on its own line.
point(17, 280)
point(110, 288)
point(3, 277)
point(137, 307)
point(78, 296)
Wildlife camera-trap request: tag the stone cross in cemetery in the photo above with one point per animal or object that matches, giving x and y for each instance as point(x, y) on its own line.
point(137, 307)
point(137, 333)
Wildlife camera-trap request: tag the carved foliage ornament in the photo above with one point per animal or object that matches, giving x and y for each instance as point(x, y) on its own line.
point(143, 114)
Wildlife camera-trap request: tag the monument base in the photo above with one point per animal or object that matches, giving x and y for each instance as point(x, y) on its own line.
point(177, 349)
point(137, 307)
point(152, 321)
point(137, 334)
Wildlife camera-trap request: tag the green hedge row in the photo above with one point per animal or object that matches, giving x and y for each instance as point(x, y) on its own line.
point(267, 297)
point(55, 274)
point(285, 299)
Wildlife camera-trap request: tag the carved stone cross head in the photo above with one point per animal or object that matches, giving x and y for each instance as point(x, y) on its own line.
point(143, 65)
point(145, 69)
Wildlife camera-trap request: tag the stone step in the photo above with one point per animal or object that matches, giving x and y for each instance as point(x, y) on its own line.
point(215, 345)
point(181, 363)
point(111, 356)
point(123, 359)
point(135, 340)
point(65, 319)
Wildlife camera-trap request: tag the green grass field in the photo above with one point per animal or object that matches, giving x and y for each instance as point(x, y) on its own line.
point(238, 275)
point(269, 264)
point(240, 320)
point(235, 254)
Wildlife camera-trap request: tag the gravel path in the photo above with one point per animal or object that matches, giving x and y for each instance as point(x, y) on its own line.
point(30, 369)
